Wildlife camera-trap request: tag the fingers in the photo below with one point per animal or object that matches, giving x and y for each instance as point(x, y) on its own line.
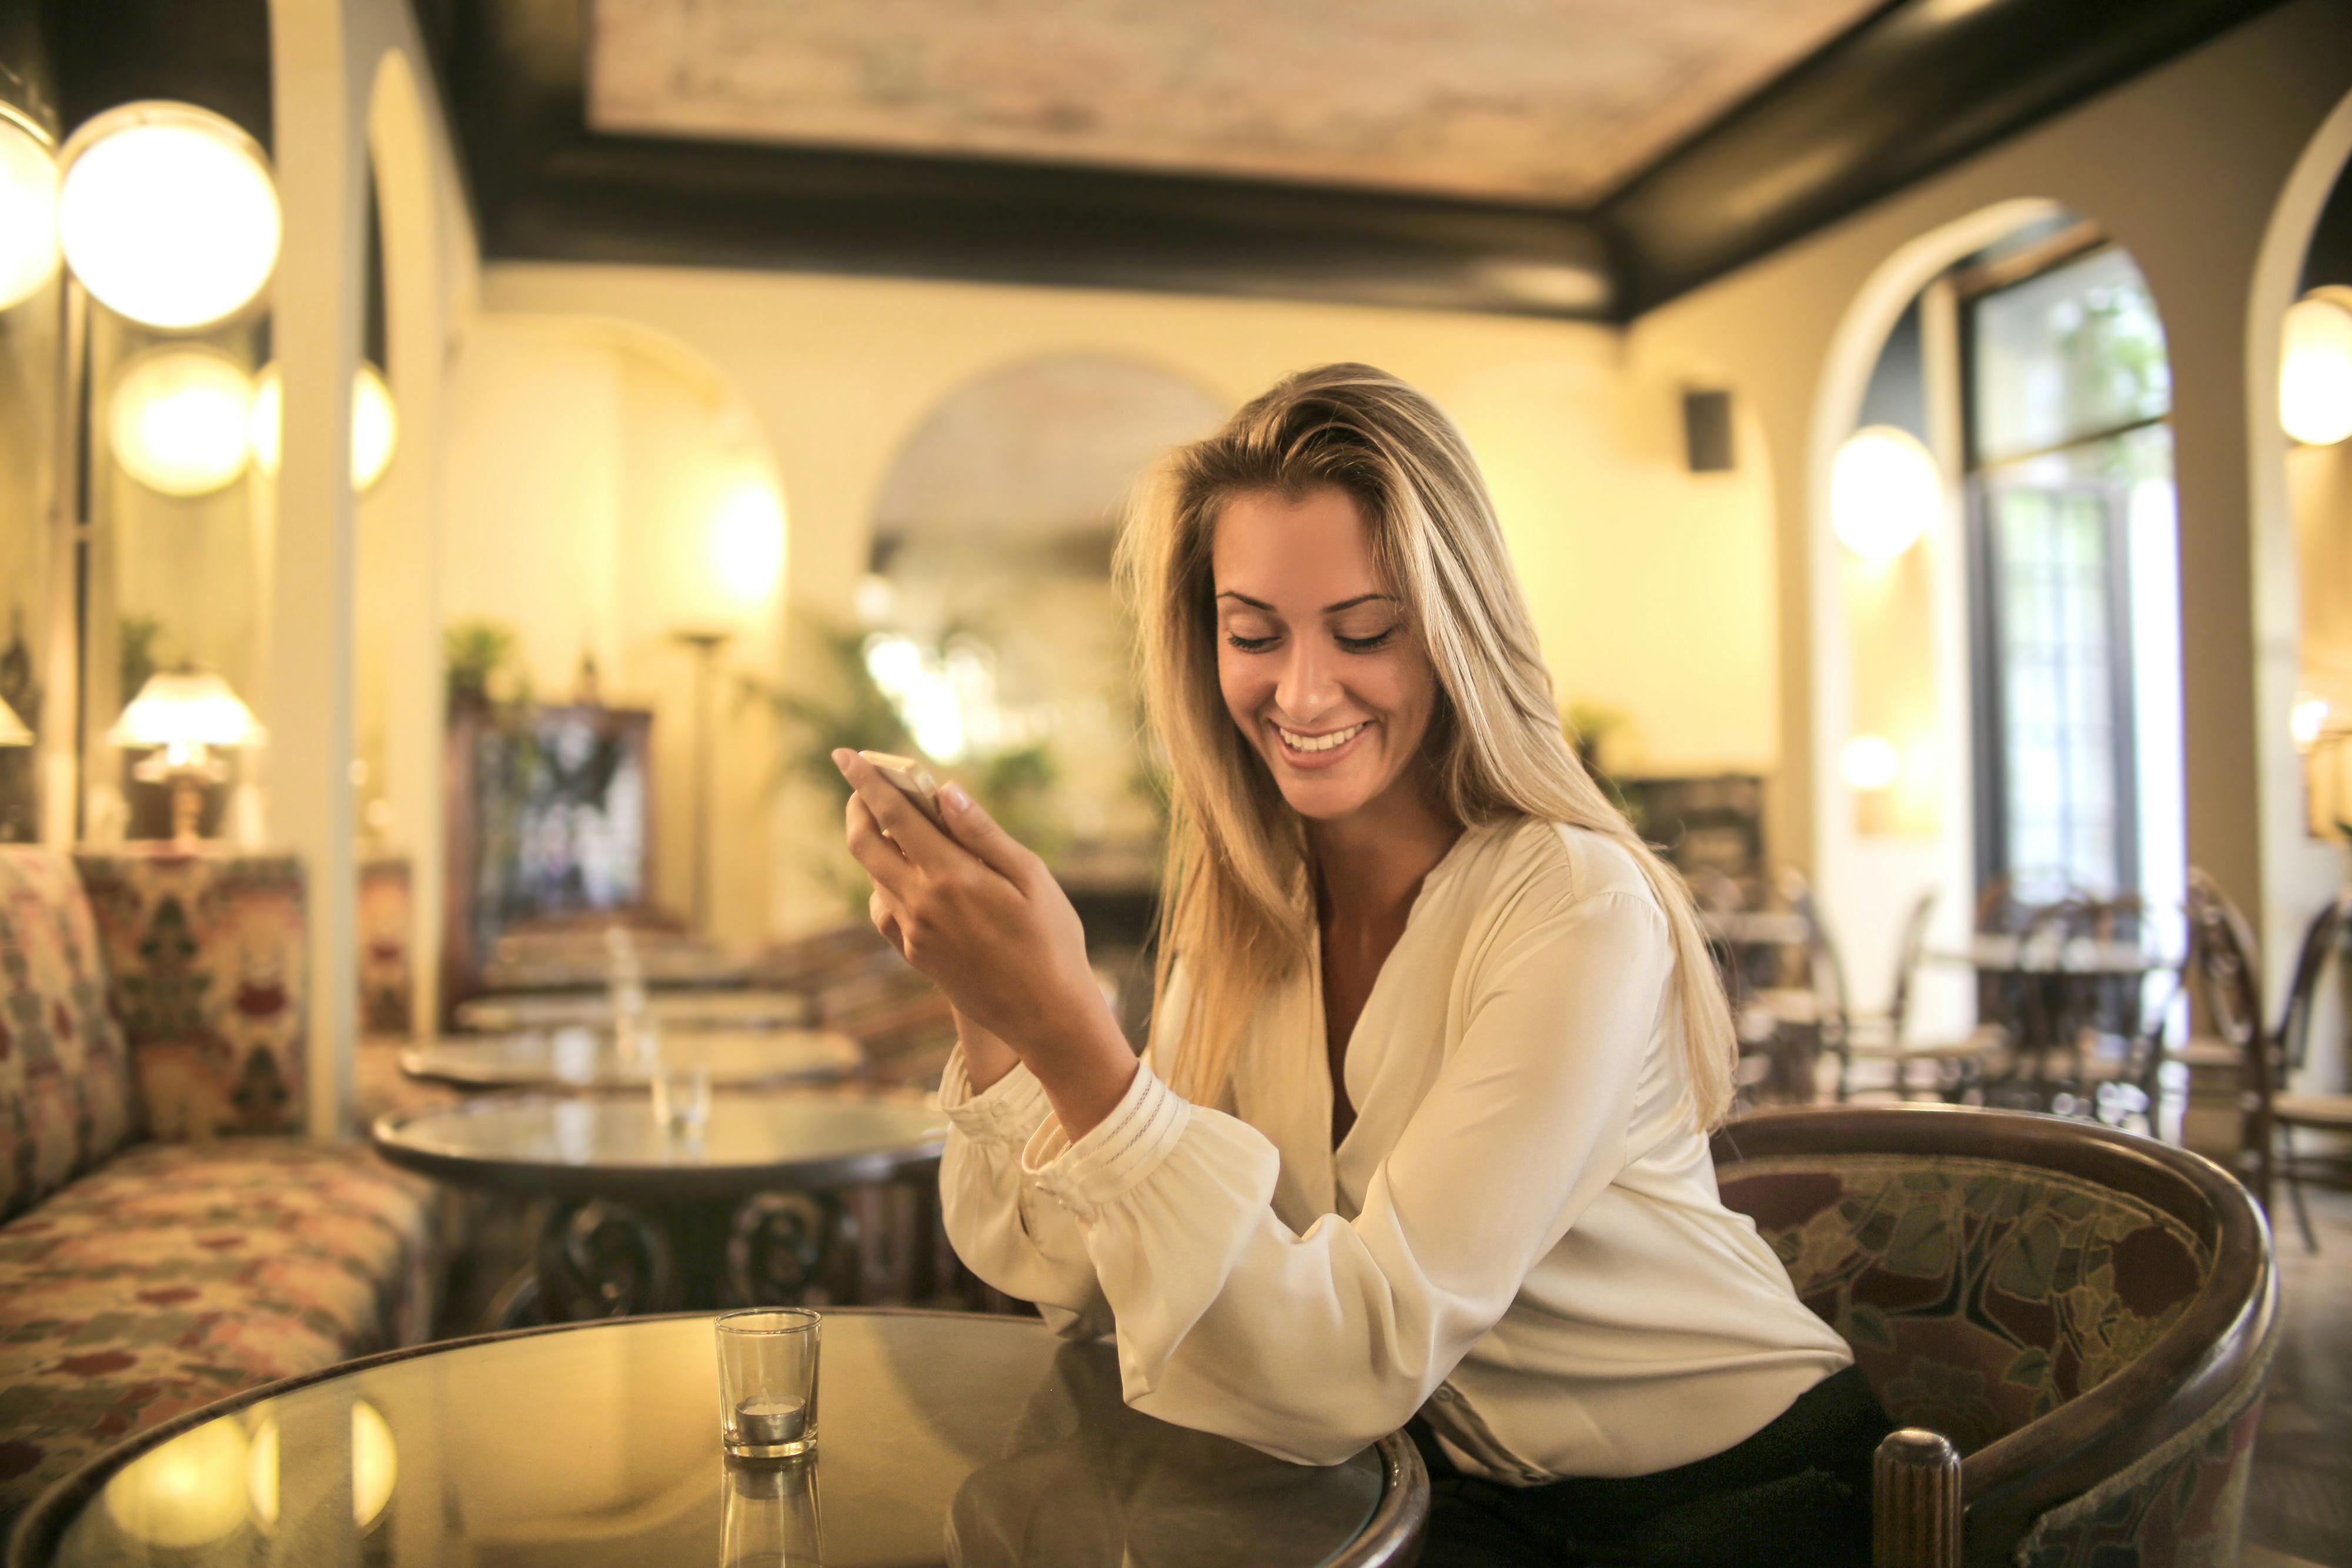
point(886, 920)
point(896, 815)
point(882, 858)
point(978, 832)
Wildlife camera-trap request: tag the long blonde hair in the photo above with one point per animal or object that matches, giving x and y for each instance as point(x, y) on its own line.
point(1238, 900)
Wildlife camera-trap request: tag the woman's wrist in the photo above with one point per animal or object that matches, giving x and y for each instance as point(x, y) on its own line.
point(986, 1056)
point(1085, 1071)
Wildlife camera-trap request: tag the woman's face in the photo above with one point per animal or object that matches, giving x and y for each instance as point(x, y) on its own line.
point(1317, 664)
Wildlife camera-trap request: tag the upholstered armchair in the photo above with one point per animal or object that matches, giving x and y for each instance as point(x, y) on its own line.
point(2087, 1315)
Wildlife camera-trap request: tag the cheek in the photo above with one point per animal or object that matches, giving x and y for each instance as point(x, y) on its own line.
point(1243, 692)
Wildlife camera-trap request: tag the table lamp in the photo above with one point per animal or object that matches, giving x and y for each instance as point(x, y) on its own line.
point(11, 728)
point(185, 714)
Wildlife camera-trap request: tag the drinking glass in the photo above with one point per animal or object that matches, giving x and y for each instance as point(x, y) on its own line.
point(767, 1382)
point(681, 1084)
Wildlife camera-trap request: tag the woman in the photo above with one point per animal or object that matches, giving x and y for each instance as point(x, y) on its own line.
point(1421, 1136)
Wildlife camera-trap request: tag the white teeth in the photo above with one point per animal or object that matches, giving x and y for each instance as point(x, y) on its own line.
point(1317, 742)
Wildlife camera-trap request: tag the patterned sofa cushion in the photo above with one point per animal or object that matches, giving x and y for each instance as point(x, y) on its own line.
point(1976, 1295)
point(205, 955)
point(181, 1272)
point(65, 1086)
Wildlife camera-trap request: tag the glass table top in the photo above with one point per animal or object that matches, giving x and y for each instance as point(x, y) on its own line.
point(671, 1009)
point(945, 1438)
point(610, 1144)
point(587, 1058)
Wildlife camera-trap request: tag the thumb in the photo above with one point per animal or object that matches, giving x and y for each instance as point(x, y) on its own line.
point(978, 832)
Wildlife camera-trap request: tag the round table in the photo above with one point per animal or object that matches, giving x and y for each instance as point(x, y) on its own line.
point(946, 1439)
point(640, 1219)
point(581, 1058)
point(2054, 987)
point(670, 1009)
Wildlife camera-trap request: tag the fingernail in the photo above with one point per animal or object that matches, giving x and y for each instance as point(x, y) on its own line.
point(952, 793)
point(841, 758)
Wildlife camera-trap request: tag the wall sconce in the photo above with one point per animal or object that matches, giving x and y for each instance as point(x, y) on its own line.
point(29, 207)
point(375, 424)
point(167, 214)
point(185, 714)
point(1885, 491)
point(2315, 368)
point(1869, 762)
point(177, 420)
point(13, 730)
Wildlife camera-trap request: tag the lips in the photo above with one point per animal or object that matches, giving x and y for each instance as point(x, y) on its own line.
point(1323, 750)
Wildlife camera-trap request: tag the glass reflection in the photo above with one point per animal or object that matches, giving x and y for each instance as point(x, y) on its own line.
point(1087, 1482)
point(189, 1492)
point(768, 1515)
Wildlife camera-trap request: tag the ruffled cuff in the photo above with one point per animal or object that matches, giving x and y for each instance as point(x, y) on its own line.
point(1121, 1150)
point(1007, 1111)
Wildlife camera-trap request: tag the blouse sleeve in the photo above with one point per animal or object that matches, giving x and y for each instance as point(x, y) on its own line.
point(998, 1221)
point(1311, 1346)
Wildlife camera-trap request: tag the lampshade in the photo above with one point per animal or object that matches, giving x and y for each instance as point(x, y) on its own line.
point(11, 728)
point(2315, 368)
point(1885, 491)
point(168, 214)
point(29, 207)
point(178, 419)
point(186, 707)
point(375, 424)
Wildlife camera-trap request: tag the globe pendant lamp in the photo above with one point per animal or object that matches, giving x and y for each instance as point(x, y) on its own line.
point(167, 214)
point(375, 424)
point(177, 420)
point(2315, 368)
point(1885, 491)
point(29, 207)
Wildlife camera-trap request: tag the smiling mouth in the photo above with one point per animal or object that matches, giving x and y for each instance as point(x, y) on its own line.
point(1310, 743)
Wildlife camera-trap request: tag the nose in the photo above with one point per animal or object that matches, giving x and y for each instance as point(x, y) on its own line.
point(1309, 686)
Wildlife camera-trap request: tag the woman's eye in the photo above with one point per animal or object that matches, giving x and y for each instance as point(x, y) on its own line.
point(1366, 645)
point(1249, 645)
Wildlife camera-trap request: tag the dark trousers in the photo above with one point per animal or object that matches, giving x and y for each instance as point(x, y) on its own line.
point(1796, 1493)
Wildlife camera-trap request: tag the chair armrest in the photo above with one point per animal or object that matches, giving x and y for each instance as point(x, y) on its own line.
point(1915, 1502)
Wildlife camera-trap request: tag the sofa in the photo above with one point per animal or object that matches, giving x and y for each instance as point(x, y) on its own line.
point(168, 1234)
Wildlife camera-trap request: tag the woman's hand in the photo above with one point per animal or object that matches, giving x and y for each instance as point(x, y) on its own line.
point(981, 917)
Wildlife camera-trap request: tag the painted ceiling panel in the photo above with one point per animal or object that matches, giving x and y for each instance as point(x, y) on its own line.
point(1549, 102)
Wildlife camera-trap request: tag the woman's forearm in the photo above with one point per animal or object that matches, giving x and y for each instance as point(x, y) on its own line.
point(1083, 1078)
point(986, 1057)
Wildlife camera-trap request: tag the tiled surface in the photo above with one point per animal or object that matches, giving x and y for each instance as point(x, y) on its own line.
point(2299, 1497)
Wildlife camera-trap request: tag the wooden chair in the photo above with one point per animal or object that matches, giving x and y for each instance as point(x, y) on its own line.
point(1954, 1066)
point(2084, 1315)
point(2225, 963)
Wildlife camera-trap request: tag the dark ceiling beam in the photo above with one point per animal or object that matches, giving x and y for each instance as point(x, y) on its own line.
point(1912, 89)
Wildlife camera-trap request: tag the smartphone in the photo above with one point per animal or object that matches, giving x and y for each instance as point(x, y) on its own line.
point(914, 782)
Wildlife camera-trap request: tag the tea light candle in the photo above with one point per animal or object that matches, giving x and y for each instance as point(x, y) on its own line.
point(763, 1421)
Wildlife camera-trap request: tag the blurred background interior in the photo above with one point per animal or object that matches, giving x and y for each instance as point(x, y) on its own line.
point(464, 463)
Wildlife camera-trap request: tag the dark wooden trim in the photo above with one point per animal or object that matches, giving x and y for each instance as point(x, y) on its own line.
point(2226, 1334)
point(1391, 1537)
point(1913, 89)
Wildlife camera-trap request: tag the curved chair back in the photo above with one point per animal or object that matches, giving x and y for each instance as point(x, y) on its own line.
point(2086, 1314)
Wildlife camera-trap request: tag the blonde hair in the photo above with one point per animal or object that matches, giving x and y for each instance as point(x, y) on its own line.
point(1237, 896)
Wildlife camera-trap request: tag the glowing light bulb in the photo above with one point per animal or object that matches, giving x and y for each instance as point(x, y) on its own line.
point(375, 424)
point(28, 209)
point(2315, 370)
point(1869, 762)
point(747, 542)
point(1885, 491)
point(177, 420)
point(168, 214)
point(2307, 720)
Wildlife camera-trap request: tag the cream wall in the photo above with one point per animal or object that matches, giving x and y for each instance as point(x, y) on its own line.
point(2185, 167)
point(1649, 584)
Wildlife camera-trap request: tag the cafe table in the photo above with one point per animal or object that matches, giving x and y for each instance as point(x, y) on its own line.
point(638, 1217)
point(2054, 985)
point(579, 1058)
point(949, 1439)
point(746, 1008)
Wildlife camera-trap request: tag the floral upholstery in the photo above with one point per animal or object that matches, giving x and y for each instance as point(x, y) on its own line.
point(386, 893)
point(205, 949)
point(65, 1085)
point(1980, 1295)
point(183, 1272)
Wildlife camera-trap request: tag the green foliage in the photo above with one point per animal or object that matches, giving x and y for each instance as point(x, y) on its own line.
point(139, 641)
point(477, 652)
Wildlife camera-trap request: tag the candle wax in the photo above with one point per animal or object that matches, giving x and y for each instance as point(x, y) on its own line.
point(778, 1420)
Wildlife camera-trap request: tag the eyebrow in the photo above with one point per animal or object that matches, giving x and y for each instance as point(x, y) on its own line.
point(1327, 610)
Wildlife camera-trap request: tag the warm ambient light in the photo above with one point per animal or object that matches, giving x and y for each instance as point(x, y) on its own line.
point(1869, 762)
point(11, 728)
point(2307, 720)
point(178, 418)
point(2315, 370)
point(1885, 491)
point(185, 1493)
point(375, 1466)
point(184, 714)
point(375, 424)
point(167, 214)
point(28, 208)
point(747, 542)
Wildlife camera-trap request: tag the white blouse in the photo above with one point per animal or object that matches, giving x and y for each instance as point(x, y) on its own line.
point(1520, 1237)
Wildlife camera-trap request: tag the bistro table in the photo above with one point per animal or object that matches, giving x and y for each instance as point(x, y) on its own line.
point(944, 1438)
point(669, 1010)
point(579, 1058)
point(640, 1218)
point(2052, 986)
